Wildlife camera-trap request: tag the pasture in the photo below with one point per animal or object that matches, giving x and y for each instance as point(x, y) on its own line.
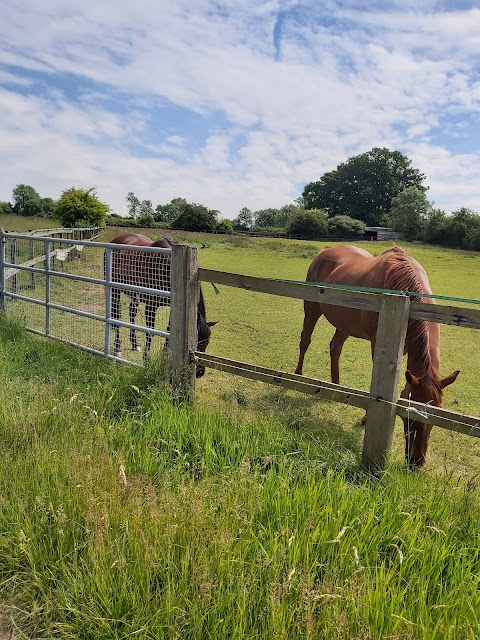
point(11, 222)
point(265, 330)
point(246, 515)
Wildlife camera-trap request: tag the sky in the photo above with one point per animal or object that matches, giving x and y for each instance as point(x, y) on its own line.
point(235, 104)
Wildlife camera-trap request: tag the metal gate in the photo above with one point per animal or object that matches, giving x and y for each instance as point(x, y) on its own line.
point(68, 289)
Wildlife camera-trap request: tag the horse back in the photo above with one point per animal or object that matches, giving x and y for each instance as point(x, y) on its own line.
point(149, 270)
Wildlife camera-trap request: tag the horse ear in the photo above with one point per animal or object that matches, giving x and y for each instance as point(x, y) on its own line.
point(212, 324)
point(449, 379)
point(411, 379)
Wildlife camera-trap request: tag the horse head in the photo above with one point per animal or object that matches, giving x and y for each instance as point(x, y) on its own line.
point(426, 389)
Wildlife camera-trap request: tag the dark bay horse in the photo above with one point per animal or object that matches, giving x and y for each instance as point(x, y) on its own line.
point(150, 270)
point(393, 269)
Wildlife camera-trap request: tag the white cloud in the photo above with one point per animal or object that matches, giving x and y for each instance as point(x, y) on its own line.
point(381, 78)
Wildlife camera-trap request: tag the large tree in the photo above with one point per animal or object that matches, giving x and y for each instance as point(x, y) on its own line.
point(26, 201)
point(364, 186)
point(81, 208)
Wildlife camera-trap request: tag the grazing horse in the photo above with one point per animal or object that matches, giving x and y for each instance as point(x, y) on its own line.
point(150, 270)
point(393, 269)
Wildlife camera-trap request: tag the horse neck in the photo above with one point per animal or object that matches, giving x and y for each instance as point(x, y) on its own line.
point(422, 347)
point(201, 306)
point(422, 340)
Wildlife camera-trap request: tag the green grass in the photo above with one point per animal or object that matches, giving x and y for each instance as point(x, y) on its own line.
point(20, 224)
point(265, 330)
point(123, 515)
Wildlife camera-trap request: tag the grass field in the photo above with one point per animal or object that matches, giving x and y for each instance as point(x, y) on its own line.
point(246, 515)
point(123, 516)
point(265, 330)
point(20, 224)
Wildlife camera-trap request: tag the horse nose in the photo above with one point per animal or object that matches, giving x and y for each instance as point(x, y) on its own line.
point(200, 371)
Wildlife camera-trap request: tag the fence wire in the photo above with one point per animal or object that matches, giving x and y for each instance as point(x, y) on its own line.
point(69, 290)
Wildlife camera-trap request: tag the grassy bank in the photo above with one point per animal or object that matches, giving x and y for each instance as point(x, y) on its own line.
point(123, 516)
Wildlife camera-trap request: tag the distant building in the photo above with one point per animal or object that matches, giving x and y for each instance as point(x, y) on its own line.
point(382, 233)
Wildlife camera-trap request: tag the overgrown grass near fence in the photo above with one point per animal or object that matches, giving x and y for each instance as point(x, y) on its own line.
point(122, 516)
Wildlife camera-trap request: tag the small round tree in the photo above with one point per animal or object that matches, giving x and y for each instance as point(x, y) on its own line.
point(310, 224)
point(81, 208)
point(345, 227)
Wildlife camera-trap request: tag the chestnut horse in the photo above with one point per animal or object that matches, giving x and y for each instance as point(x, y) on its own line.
point(393, 269)
point(148, 270)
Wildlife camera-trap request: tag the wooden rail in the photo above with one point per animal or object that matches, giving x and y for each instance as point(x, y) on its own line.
point(381, 402)
point(458, 316)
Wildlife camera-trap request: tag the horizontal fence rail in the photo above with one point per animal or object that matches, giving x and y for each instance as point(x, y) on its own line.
point(313, 292)
point(29, 277)
point(383, 405)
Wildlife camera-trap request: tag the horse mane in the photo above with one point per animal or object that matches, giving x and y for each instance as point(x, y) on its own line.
point(400, 275)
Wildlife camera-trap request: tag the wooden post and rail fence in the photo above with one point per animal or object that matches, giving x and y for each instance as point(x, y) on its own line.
point(381, 402)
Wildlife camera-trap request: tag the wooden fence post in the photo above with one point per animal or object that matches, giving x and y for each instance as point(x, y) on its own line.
point(183, 319)
point(387, 363)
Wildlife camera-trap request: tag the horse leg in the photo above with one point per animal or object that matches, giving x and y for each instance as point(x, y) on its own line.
point(312, 314)
point(336, 346)
point(166, 344)
point(133, 308)
point(150, 313)
point(115, 315)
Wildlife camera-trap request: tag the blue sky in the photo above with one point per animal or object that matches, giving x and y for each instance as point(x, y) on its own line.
point(235, 104)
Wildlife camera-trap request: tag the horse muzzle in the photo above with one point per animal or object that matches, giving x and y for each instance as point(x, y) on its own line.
point(199, 371)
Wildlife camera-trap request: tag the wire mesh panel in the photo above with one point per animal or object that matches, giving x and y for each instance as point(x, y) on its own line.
point(90, 294)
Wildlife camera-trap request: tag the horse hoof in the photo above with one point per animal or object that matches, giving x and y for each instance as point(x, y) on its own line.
point(117, 354)
point(137, 349)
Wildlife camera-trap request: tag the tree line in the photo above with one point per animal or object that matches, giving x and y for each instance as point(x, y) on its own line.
point(74, 208)
point(376, 188)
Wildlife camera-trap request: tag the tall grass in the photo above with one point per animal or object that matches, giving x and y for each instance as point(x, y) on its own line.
point(123, 515)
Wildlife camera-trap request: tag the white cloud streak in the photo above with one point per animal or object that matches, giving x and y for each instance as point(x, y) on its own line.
point(337, 82)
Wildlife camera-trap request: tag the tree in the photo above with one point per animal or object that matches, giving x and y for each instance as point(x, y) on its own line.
point(146, 208)
point(409, 212)
point(225, 225)
point(309, 223)
point(6, 208)
point(133, 204)
point(461, 225)
point(364, 186)
point(345, 227)
point(244, 220)
point(266, 217)
point(146, 220)
point(435, 230)
point(81, 208)
point(49, 207)
point(196, 217)
point(26, 201)
point(167, 213)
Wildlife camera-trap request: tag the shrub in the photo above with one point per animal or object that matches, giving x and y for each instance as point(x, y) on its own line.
point(345, 227)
